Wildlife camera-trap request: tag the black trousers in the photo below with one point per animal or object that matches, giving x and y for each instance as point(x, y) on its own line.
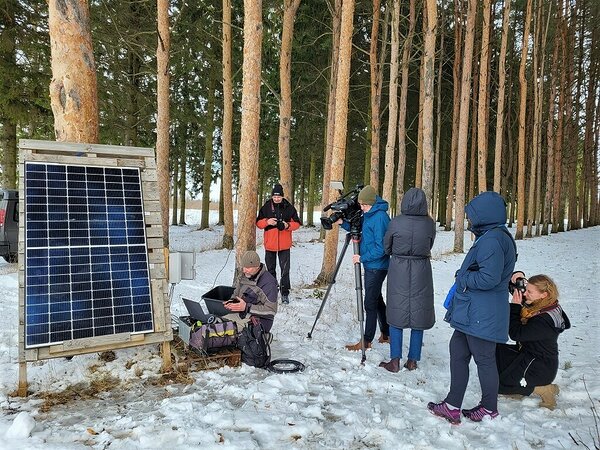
point(284, 268)
point(514, 366)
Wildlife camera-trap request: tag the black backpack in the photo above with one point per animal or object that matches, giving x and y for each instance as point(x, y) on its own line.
point(255, 344)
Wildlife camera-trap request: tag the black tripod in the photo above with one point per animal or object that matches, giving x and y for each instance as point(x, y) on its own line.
point(355, 238)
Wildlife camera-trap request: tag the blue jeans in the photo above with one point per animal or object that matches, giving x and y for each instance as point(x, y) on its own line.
point(414, 349)
point(374, 304)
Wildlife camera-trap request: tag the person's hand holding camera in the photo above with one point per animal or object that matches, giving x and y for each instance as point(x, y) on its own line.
point(236, 305)
point(272, 221)
point(517, 297)
point(281, 225)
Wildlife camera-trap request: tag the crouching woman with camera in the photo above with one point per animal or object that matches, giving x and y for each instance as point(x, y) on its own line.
point(536, 320)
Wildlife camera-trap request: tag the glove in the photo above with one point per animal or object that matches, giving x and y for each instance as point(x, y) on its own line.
point(281, 225)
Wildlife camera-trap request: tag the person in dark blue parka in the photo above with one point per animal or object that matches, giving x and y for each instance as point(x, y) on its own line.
point(375, 262)
point(479, 311)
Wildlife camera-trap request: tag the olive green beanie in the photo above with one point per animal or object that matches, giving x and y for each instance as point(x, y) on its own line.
point(367, 195)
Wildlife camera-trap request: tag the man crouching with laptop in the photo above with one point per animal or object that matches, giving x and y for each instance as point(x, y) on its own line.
point(255, 294)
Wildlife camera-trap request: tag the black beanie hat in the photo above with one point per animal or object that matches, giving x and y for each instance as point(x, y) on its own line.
point(277, 190)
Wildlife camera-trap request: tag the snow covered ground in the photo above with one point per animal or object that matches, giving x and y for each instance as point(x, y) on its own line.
point(335, 403)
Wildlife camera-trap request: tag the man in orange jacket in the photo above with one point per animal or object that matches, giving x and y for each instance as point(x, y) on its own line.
point(278, 218)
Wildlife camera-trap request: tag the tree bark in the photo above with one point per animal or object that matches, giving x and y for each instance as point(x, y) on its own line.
point(375, 69)
point(429, 76)
point(522, 120)
point(73, 89)
point(501, 98)
point(339, 138)
point(285, 103)
point(403, 104)
point(456, 77)
point(249, 141)
point(226, 138)
point(162, 121)
point(208, 148)
point(336, 10)
point(482, 116)
point(463, 126)
point(390, 146)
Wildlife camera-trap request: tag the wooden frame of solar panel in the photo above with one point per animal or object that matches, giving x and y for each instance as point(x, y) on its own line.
point(71, 245)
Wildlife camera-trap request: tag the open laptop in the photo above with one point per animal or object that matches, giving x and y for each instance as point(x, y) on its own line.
point(195, 310)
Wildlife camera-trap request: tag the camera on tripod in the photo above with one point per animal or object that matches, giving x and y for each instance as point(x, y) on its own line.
point(346, 207)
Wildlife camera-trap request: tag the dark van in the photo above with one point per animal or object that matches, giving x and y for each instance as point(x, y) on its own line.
point(9, 224)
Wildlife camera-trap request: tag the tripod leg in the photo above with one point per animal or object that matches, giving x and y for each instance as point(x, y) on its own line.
point(359, 298)
point(337, 268)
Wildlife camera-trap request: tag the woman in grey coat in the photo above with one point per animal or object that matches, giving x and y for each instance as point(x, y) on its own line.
point(408, 240)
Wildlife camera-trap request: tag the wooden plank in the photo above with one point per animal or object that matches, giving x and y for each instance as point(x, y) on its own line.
point(152, 218)
point(150, 338)
point(73, 147)
point(150, 191)
point(154, 232)
point(156, 257)
point(157, 271)
point(153, 243)
point(150, 175)
point(152, 206)
point(83, 161)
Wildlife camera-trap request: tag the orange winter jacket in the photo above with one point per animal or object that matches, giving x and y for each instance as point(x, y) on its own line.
point(278, 237)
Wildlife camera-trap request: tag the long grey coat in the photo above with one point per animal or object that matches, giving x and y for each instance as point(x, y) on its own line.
point(408, 240)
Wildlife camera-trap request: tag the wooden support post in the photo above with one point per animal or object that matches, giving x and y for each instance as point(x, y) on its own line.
point(22, 388)
point(166, 356)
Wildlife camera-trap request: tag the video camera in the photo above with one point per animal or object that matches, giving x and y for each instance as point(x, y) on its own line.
point(346, 207)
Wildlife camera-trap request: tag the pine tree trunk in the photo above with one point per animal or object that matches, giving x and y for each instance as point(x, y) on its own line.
point(429, 77)
point(226, 138)
point(375, 69)
point(482, 110)
point(522, 121)
point(390, 146)
point(312, 184)
point(463, 125)
point(557, 224)
point(437, 213)
point(550, 141)
point(403, 105)
point(249, 140)
point(162, 121)
point(175, 192)
point(208, 148)
point(285, 103)
point(339, 138)
point(500, 116)
point(73, 90)
point(182, 181)
point(336, 12)
point(456, 78)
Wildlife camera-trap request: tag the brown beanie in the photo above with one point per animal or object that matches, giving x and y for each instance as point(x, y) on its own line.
point(250, 259)
point(367, 195)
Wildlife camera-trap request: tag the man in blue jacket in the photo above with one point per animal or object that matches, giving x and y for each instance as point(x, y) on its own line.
point(375, 263)
point(479, 310)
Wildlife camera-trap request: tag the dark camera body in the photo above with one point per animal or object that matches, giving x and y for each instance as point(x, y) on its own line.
point(519, 284)
point(280, 225)
point(347, 208)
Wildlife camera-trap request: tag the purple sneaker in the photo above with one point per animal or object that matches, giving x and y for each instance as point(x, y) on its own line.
point(478, 413)
point(441, 409)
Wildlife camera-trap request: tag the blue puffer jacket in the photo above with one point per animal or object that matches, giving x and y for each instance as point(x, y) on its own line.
point(480, 307)
point(374, 226)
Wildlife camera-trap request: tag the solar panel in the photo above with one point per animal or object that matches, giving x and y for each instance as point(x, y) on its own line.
point(86, 263)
